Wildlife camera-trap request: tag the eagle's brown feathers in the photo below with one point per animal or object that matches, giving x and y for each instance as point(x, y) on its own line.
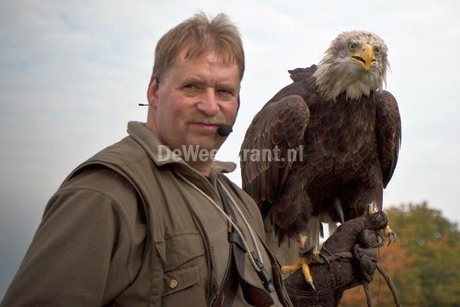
point(337, 139)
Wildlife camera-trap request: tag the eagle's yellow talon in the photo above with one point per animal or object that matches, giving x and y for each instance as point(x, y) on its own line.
point(302, 263)
point(390, 234)
point(286, 269)
point(387, 231)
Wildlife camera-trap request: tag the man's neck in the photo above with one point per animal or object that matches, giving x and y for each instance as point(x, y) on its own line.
point(202, 167)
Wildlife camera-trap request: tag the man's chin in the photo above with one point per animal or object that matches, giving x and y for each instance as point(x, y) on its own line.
point(208, 143)
point(205, 148)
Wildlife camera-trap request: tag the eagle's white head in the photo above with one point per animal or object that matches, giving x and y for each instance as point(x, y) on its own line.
point(356, 62)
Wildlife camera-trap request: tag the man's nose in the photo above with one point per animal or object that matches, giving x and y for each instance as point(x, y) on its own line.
point(208, 103)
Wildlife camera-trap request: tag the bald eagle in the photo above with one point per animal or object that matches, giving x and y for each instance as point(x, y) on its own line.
point(324, 147)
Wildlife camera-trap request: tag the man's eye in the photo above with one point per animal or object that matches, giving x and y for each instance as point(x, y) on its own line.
point(190, 86)
point(226, 94)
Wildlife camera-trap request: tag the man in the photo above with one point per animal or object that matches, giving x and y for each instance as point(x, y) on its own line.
point(152, 220)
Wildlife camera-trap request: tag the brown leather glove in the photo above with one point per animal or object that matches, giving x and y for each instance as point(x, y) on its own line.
point(353, 260)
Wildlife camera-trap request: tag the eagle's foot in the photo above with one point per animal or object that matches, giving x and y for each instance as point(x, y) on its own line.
point(390, 234)
point(302, 263)
point(387, 231)
point(309, 256)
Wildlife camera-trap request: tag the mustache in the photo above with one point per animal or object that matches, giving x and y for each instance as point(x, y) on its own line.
point(215, 120)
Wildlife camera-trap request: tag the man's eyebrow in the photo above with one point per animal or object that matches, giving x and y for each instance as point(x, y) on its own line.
point(227, 85)
point(192, 79)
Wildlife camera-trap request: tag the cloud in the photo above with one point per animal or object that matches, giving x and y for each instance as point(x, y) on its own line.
point(73, 72)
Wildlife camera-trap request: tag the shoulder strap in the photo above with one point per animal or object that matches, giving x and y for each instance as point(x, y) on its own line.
point(252, 294)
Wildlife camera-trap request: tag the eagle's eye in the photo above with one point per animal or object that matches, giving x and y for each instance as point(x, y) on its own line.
point(376, 49)
point(352, 46)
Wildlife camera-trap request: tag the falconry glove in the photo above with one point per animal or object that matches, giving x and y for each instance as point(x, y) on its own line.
point(353, 259)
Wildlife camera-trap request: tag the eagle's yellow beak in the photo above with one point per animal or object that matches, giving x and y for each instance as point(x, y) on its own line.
point(365, 56)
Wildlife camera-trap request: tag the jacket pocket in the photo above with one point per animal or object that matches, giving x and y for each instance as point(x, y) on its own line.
point(180, 279)
point(181, 248)
point(184, 252)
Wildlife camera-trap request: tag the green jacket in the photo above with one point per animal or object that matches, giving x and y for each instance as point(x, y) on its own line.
point(135, 226)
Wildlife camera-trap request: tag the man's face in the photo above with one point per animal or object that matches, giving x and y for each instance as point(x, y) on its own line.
point(191, 101)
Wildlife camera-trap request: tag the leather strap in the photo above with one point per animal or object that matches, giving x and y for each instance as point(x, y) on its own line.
point(252, 294)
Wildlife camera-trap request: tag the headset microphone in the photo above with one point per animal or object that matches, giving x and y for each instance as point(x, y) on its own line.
point(225, 130)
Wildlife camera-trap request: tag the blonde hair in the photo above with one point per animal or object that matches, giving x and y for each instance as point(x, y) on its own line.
point(200, 34)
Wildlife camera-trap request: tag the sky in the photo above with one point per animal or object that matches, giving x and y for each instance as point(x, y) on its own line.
point(72, 74)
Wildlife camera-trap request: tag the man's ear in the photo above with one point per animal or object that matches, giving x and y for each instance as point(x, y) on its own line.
point(152, 91)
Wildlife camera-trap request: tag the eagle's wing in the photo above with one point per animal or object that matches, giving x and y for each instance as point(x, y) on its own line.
point(388, 130)
point(268, 149)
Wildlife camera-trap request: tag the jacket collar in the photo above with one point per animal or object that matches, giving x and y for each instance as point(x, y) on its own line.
point(162, 155)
